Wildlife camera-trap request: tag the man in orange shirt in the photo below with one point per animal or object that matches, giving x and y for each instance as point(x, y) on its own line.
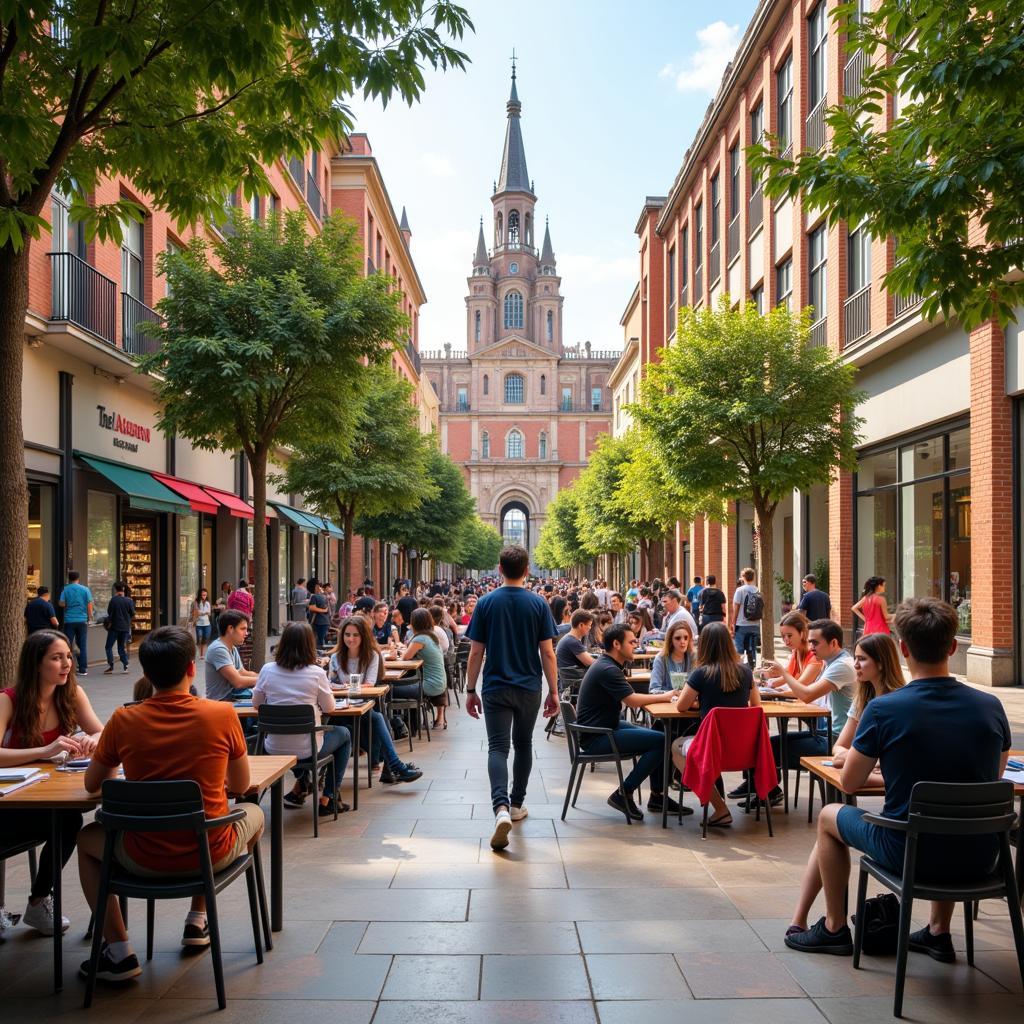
point(172, 735)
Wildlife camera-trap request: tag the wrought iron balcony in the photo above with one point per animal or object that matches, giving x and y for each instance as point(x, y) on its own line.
point(814, 127)
point(297, 169)
point(755, 210)
point(905, 303)
point(819, 334)
point(414, 356)
point(715, 267)
point(314, 197)
point(857, 314)
point(81, 295)
point(734, 238)
point(853, 74)
point(133, 314)
point(698, 285)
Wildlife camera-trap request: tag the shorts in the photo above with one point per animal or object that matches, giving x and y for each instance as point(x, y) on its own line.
point(245, 830)
point(881, 844)
point(439, 700)
point(203, 634)
point(682, 745)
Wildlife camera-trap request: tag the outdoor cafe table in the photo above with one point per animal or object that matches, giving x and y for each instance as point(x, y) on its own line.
point(822, 768)
point(65, 791)
point(781, 710)
point(356, 713)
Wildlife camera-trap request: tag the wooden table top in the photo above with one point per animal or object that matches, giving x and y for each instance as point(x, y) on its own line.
point(776, 709)
point(639, 675)
point(644, 655)
point(391, 664)
point(345, 712)
point(66, 790)
point(364, 691)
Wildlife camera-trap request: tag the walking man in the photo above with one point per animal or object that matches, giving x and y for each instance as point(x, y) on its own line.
point(77, 602)
point(514, 627)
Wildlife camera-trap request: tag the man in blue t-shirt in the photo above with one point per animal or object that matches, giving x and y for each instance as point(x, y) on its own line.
point(77, 603)
point(935, 729)
point(693, 596)
point(515, 628)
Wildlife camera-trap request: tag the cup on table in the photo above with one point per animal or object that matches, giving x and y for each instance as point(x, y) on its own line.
point(355, 684)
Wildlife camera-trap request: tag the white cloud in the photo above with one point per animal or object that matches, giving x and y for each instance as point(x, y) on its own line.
point(702, 71)
point(437, 164)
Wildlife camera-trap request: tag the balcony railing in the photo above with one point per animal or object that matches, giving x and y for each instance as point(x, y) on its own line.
point(819, 334)
point(814, 127)
point(462, 406)
point(857, 314)
point(81, 295)
point(314, 197)
point(513, 247)
point(297, 169)
point(698, 285)
point(905, 303)
point(854, 73)
point(414, 356)
point(133, 314)
point(715, 271)
point(755, 210)
point(734, 238)
point(566, 405)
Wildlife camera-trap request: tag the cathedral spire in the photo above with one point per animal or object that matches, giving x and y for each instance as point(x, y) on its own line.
point(547, 255)
point(480, 260)
point(514, 177)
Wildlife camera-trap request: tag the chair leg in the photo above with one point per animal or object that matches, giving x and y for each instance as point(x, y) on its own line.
point(150, 922)
point(579, 783)
point(254, 909)
point(902, 949)
point(858, 930)
point(257, 856)
point(796, 791)
point(215, 952)
point(316, 802)
point(704, 823)
point(622, 790)
point(768, 818)
point(969, 930)
point(568, 790)
point(33, 866)
point(1013, 901)
point(425, 712)
point(99, 916)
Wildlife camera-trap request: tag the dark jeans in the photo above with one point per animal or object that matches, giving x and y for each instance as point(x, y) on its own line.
point(339, 743)
point(78, 633)
point(123, 639)
point(510, 713)
point(21, 825)
point(635, 739)
point(321, 634)
point(383, 745)
point(746, 640)
point(799, 744)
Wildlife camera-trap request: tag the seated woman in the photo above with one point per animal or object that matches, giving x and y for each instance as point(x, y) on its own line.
point(45, 714)
point(357, 653)
point(878, 670)
point(673, 660)
point(443, 634)
point(720, 680)
point(294, 677)
point(423, 646)
point(642, 624)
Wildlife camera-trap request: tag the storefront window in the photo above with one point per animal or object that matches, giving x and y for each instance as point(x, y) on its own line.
point(914, 520)
point(39, 571)
point(283, 562)
point(188, 564)
point(101, 546)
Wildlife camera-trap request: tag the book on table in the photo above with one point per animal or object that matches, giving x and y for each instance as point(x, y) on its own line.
point(12, 779)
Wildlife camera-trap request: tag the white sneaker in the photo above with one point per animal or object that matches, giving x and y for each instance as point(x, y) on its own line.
point(40, 917)
point(518, 813)
point(502, 827)
point(7, 919)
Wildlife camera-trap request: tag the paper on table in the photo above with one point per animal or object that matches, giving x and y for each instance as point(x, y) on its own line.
point(1014, 776)
point(11, 787)
point(18, 774)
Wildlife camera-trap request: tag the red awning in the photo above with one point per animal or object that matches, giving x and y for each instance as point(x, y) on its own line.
point(193, 493)
point(231, 502)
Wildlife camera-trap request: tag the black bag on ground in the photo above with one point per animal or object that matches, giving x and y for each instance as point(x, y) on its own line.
point(881, 924)
point(398, 729)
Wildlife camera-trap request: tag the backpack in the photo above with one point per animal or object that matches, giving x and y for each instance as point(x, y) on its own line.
point(753, 606)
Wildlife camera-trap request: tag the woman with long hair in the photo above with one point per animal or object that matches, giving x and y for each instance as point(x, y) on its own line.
point(200, 618)
point(674, 659)
point(878, 670)
point(424, 646)
point(357, 653)
point(44, 716)
point(873, 608)
point(641, 623)
point(720, 680)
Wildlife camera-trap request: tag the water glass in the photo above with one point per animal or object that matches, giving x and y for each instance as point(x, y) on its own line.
point(355, 684)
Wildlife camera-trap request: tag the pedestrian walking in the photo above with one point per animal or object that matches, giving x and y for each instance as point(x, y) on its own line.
point(872, 607)
point(120, 612)
point(200, 616)
point(40, 613)
point(78, 605)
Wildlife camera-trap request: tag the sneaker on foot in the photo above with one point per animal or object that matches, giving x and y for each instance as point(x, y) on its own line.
point(7, 919)
point(196, 935)
point(739, 793)
point(502, 827)
point(82, 672)
point(107, 970)
point(405, 773)
point(518, 813)
point(938, 947)
point(818, 939)
point(627, 806)
point(40, 917)
point(657, 801)
point(109, 670)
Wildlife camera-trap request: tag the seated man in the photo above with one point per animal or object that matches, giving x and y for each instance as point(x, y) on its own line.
point(603, 692)
point(571, 655)
point(171, 735)
point(935, 729)
point(225, 677)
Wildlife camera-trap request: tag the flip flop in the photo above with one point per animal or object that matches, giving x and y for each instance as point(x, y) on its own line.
point(723, 821)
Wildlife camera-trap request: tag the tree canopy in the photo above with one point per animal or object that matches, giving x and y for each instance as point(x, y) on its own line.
point(479, 545)
point(560, 545)
point(951, 156)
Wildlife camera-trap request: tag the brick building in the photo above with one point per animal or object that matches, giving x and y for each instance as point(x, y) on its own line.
point(520, 411)
point(931, 505)
point(109, 494)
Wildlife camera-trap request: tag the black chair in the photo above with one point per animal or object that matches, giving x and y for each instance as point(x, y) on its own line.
point(168, 807)
point(579, 759)
point(9, 850)
point(462, 648)
point(946, 809)
point(298, 720)
point(451, 671)
point(406, 705)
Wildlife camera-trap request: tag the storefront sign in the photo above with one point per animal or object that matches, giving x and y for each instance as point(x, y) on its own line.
point(127, 433)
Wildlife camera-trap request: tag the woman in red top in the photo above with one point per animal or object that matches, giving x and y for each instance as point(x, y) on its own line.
point(873, 607)
point(40, 718)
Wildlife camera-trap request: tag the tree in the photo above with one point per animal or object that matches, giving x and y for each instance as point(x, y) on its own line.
point(379, 465)
point(951, 158)
point(604, 526)
point(560, 545)
point(94, 90)
point(264, 351)
point(433, 527)
point(480, 545)
point(742, 409)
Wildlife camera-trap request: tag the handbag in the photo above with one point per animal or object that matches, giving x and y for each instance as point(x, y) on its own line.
point(881, 924)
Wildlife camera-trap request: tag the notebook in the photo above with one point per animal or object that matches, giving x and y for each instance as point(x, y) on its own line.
point(18, 774)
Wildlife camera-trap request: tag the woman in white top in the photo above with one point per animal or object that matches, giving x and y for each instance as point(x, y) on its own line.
point(199, 614)
point(294, 677)
point(444, 637)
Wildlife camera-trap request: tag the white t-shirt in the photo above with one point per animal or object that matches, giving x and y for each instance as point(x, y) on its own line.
point(442, 639)
point(602, 594)
point(681, 615)
point(738, 598)
point(276, 685)
point(352, 668)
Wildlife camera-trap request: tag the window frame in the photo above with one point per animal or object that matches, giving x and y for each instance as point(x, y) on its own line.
point(817, 56)
point(818, 238)
point(784, 104)
point(515, 450)
point(513, 384)
point(784, 297)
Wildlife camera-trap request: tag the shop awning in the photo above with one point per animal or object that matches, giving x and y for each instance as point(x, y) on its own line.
point(197, 498)
point(232, 502)
point(331, 528)
point(302, 520)
point(144, 492)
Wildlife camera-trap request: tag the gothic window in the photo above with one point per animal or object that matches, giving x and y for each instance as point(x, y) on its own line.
point(514, 389)
point(542, 446)
point(485, 443)
point(514, 309)
point(476, 326)
point(513, 227)
point(498, 224)
point(529, 230)
point(514, 445)
point(487, 384)
point(543, 384)
point(551, 326)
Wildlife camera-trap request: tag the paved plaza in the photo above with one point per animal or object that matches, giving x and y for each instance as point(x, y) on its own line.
point(401, 914)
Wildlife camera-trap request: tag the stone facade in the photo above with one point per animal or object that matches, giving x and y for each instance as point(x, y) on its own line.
point(520, 411)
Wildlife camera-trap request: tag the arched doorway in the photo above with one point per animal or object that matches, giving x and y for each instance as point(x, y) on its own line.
point(515, 524)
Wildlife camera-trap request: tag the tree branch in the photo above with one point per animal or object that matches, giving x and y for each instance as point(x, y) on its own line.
point(6, 51)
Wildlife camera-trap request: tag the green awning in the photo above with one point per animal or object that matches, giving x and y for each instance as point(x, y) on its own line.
point(302, 520)
point(332, 530)
point(144, 492)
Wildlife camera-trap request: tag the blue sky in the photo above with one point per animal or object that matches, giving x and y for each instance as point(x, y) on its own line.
point(612, 95)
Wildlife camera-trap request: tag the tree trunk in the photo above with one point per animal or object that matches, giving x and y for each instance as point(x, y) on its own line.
point(13, 489)
point(348, 520)
point(258, 466)
point(765, 519)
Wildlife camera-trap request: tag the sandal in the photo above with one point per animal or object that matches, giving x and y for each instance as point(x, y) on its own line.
point(722, 821)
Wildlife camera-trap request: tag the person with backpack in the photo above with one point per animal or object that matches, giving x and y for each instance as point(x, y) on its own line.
point(747, 613)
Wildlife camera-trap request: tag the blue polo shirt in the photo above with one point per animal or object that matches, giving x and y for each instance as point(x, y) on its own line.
point(511, 622)
point(76, 600)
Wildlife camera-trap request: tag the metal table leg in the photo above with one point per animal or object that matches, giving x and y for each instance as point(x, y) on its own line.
point(277, 855)
point(783, 758)
point(369, 751)
point(355, 768)
point(57, 847)
point(666, 773)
